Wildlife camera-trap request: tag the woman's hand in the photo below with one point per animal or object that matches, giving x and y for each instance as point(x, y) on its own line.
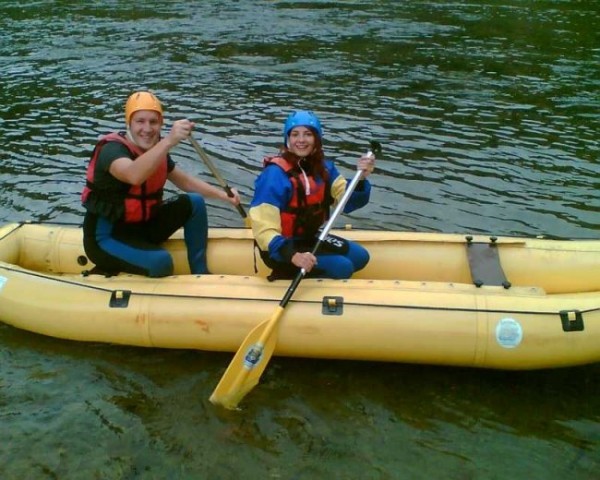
point(305, 260)
point(366, 163)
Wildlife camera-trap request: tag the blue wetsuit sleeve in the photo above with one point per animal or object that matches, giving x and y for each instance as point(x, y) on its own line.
point(272, 194)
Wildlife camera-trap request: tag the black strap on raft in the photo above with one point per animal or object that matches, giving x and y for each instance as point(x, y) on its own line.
point(484, 263)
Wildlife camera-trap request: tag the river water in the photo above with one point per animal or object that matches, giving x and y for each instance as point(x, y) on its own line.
point(488, 113)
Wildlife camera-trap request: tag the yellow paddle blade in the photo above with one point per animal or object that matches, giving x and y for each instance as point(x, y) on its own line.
point(248, 364)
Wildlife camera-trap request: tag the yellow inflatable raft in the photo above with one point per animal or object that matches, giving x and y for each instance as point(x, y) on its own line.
point(506, 303)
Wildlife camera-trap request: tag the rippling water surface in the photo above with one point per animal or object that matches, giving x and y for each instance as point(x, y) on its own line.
point(488, 113)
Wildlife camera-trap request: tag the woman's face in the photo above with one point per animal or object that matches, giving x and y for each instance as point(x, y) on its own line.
point(301, 141)
point(145, 128)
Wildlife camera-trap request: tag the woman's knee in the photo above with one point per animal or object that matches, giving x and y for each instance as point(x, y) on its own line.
point(344, 270)
point(336, 267)
point(359, 256)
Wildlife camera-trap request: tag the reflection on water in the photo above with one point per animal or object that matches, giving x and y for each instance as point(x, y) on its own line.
point(488, 114)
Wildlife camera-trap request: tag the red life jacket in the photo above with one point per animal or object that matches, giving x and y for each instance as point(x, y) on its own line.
point(134, 205)
point(305, 212)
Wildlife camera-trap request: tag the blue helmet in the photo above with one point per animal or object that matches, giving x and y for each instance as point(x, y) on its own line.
point(302, 118)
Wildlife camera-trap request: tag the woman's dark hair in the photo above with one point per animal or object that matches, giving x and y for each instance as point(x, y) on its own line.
point(313, 164)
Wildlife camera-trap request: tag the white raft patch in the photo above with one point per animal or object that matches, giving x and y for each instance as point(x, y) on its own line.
point(509, 333)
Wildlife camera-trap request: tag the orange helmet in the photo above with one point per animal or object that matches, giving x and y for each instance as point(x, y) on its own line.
point(141, 101)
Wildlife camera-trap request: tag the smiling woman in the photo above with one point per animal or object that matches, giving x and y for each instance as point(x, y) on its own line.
point(292, 199)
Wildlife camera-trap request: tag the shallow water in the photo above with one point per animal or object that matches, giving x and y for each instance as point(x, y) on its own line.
point(488, 114)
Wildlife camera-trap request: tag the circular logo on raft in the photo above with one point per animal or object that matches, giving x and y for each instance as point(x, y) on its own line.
point(509, 333)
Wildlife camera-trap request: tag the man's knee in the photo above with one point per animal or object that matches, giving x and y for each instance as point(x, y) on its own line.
point(161, 264)
point(198, 203)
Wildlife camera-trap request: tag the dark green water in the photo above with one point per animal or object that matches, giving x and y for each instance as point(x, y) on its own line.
point(489, 116)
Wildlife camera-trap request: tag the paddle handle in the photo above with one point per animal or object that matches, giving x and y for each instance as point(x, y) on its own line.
point(216, 173)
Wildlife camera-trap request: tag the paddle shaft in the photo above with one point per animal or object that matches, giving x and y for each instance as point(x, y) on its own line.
point(216, 173)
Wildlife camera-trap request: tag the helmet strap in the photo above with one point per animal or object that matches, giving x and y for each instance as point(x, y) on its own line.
point(130, 136)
